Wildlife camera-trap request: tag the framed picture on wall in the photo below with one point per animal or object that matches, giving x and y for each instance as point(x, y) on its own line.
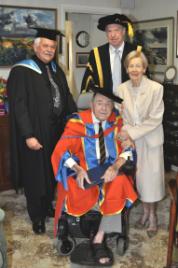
point(82, 59)
point(157, 39)
point(16, 34)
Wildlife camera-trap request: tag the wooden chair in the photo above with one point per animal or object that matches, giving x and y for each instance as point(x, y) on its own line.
point(173, 189)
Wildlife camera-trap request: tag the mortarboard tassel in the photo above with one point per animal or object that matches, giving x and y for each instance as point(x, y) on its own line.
point(130, 30)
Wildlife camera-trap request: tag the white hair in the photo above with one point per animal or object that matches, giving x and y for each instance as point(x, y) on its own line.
point(36, 42)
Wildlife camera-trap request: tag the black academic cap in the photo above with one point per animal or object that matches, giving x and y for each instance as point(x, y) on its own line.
point(47, 33)
point(113, 19)
point(106, 93)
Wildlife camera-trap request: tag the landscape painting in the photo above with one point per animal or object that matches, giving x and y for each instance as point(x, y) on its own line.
point(16, 31)
point(156, 38)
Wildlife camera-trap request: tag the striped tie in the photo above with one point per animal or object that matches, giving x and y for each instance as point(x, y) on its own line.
point(101, 144)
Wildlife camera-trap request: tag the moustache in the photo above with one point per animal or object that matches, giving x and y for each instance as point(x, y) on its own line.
point(49, 53)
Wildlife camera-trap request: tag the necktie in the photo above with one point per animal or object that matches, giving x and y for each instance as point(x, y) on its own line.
point(116, 74)
point(101, 144)
point(55, 92)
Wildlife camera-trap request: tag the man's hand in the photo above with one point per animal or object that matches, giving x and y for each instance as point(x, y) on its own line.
point(33, 144)
point(113, 170)
point(81, 176)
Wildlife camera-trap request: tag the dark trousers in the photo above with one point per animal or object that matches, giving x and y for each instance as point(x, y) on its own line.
point(37, 207)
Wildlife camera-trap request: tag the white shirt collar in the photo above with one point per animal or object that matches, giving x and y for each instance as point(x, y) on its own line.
point(121, 48)
point(96, 121)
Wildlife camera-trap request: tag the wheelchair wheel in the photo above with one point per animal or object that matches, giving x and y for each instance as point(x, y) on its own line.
point(121, 246)
point(66, 246)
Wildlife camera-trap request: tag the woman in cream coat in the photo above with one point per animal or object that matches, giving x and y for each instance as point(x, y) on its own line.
point(142, 113)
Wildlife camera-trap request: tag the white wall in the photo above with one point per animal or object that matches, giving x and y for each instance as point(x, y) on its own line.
point(88, 23)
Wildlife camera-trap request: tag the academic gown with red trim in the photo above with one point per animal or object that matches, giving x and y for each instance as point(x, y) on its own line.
point(78, 141)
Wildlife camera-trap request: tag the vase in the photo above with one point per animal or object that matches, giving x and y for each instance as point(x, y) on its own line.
point(3, 246)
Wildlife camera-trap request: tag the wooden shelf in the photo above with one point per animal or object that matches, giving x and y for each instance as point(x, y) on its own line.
point(5, 183)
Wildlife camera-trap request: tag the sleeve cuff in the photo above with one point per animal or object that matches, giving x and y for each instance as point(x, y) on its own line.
point(126, 155)
point(70, 162)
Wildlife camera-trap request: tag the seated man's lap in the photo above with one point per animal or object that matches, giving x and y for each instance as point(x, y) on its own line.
point(111, 198)
point(116, 193)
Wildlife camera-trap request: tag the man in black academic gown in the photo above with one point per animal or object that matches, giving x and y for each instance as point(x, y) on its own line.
point(100, 66)
point(40, 101)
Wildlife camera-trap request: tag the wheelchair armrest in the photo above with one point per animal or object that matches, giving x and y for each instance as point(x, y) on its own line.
point(128, 168)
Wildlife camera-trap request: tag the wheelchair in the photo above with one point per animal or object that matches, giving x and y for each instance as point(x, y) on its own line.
point(72, 230)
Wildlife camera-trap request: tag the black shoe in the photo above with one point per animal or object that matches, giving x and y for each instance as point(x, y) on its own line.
point(50, 212)
point(39, 227)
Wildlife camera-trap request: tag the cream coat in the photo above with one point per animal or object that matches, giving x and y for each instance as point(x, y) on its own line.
point(142, 113)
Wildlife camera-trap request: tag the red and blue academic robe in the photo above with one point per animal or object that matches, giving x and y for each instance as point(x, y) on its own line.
point(79, 142)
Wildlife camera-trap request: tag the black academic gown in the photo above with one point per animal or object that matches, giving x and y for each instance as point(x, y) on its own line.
point(92, 75)
point(31, 115)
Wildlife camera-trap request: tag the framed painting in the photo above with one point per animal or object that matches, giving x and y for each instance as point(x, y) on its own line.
point(82, 59)
point(16, 34)
point(157, 38)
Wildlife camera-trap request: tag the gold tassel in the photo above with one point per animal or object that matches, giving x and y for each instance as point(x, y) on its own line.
point(130, 30)
point(139, 49)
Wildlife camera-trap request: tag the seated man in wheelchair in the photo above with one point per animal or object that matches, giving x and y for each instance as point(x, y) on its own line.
point(89, 163)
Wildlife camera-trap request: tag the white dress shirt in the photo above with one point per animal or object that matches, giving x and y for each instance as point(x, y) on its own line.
point(112, 54)
point(70, 162)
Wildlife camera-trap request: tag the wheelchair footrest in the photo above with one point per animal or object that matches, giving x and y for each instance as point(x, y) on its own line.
point(82, 254)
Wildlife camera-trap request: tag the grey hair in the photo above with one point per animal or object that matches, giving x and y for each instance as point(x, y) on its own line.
point(37, 41)
point(136, 54)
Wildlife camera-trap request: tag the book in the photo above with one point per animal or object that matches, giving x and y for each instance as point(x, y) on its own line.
point(95, 174)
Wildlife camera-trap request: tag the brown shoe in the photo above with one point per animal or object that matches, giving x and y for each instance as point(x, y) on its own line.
point(140, 225)
point(153, 228)
point(151, 233)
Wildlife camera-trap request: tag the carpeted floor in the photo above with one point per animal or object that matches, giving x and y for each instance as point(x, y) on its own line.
point(27, 250)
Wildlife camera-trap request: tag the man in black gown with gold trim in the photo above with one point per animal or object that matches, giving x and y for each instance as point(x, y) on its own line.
point(100, 64)
point(40, 101)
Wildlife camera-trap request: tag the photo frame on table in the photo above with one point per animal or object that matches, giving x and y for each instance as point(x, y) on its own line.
point(15, 33)
point(157, 39)
point(82, 59)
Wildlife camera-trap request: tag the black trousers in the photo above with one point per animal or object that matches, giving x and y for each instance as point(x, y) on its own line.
point(38, 206)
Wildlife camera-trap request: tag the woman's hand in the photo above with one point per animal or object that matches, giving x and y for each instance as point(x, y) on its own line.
point(127, 143)
point(123, 135)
